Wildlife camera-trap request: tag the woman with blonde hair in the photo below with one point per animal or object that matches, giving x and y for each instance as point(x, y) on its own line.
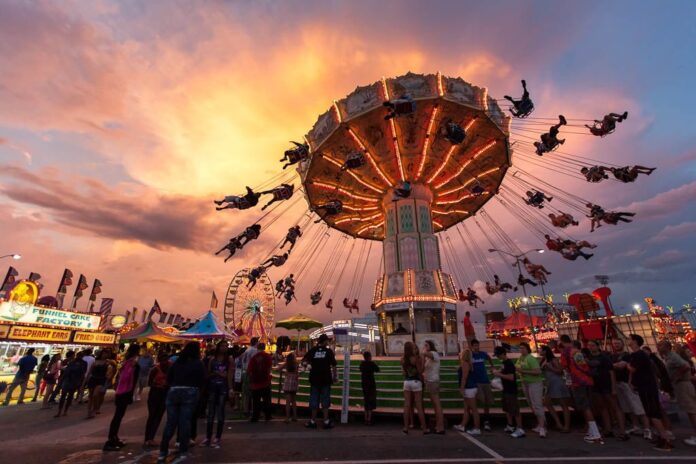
point(412, 367)
point(467, 386)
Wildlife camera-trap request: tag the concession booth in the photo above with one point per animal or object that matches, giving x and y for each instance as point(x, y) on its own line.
point(24, 324)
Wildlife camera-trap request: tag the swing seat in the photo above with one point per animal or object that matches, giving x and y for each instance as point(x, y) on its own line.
point(525, 110)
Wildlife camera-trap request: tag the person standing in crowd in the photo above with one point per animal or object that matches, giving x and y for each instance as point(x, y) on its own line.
point(125, 389)
point(260, 383)
point(73, 379)
point(511, 404)
point(643, 379)
point(237, 353)
point(88, 358)
point(97, 383)
point(431, 378)
point(574, 362)
point(484, 392)
point(628, 400)
point(322, 375)
point(679, 371)
point(220, 379)
point(156, 397)
point(290, 384)
point(40, 372)
point(146, 363)
point(604, 383)
point(26, 366)
point(467, 387)
point(246, 390)
point(185, 377)
point(533, 385)
point(469, 331)
point(412, 367)
point(50, 378)
point(556, 388)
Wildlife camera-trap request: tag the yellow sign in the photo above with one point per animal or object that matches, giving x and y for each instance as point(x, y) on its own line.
point(118, 321)
point(39, 334)
point(95, 338)
point(22, 299)
point(30, 314)
point(4, 330)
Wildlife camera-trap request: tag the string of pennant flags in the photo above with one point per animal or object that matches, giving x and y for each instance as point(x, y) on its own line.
point(107, 304)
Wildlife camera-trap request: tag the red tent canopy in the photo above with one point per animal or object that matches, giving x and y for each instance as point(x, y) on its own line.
point(516, 321)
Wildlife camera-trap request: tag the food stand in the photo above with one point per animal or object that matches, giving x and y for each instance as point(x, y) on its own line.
point(25, 324)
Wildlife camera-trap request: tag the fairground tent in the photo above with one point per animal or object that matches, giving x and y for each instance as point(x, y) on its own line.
point(151, 332)
point(207, 326)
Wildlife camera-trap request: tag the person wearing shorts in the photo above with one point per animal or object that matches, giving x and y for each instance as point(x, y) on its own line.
point(645, 383)
point(575, 364)
point(412, 368)
point(483, 384)
point(467, 385)
point(431, 376)
point(322, 361)
point(368, 369)
point(533, 384)
point(629, 401)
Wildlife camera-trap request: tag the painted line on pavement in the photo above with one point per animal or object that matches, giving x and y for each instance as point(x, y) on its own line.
point(483, 447)
point(492, 460)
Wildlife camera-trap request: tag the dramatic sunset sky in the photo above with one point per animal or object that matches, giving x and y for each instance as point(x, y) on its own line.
point(121, 121)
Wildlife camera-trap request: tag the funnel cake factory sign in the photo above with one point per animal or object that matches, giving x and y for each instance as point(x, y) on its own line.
point(21, 309)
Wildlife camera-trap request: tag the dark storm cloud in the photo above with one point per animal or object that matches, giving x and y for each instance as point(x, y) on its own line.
point(159, 221)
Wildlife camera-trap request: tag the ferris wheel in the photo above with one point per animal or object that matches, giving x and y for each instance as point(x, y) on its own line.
point(250, 311)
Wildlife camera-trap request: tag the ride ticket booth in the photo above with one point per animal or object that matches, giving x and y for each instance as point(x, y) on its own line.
point(24, 325)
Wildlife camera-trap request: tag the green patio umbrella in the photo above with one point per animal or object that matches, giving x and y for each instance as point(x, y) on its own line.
point(299, 322)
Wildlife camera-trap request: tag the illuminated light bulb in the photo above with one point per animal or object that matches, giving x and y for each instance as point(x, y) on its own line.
point(366, 208)
point(354, 176)
point(454, 211)
point(424, 154)
point(346, 219)
point(338, 112)
point(443, 164)
point(439, 224)
point(466, 184)
point(335, 187)
point(386, 89)
point(397, 153)
point(485, 99)
point(440, 88)
point(369, 157)
point(481, 151)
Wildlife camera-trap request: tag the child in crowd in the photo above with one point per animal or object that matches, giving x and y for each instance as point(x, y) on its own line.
point(369, 386)
point(290, 387)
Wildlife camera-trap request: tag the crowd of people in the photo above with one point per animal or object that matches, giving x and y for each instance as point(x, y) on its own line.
point(618, 393)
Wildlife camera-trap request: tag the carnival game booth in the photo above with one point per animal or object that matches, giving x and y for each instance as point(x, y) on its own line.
point(207, 327)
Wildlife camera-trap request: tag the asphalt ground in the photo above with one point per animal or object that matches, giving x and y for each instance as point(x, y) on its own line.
point(29, 435)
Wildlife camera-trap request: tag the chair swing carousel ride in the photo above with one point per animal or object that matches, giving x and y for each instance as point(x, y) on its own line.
point(417, 162)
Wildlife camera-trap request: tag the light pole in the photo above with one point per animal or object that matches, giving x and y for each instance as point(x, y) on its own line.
point(518, 258)
point(12, 255)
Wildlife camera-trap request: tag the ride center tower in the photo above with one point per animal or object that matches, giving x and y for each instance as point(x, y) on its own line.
point(398, 161)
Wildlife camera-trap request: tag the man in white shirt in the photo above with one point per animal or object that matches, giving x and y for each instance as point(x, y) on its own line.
point(89, 359)
point(246, 390)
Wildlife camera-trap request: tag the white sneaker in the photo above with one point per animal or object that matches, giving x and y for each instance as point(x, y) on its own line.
point(536, 429)
point(460, 428)
point(670, 435)
point(647, 434)
point(509, 429)
point(474, 432)
point(487, 426)
point(542, 432)
point(518, 433)
point(690, 441)
point(634, 431)
point(593, 439)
